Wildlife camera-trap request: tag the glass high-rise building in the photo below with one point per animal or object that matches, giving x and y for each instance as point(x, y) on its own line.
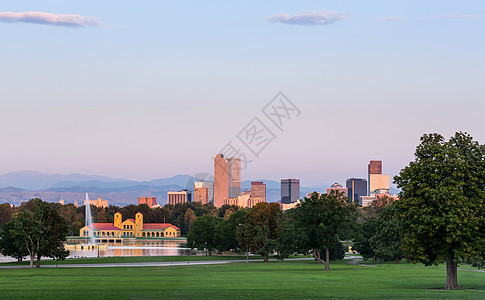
point(356, 187)
point(290, 190)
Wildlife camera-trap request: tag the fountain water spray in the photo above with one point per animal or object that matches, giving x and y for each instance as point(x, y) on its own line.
point(89, 221)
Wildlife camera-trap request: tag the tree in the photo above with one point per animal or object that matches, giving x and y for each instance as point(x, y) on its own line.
point(40, 230)
point(442, 203)
point(189, 219)
point(386, 242)
point(202, 234)
point(9, 246)
point(6, 213)
point(226, 231)
point(261, 229)
point(378, 235)
point(362, 243)
point(321, 220)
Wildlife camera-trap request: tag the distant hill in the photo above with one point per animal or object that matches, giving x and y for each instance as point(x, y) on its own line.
point(33, 180)
point(116, 196)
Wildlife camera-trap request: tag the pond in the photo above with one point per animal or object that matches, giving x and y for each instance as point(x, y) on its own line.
point(127, 248)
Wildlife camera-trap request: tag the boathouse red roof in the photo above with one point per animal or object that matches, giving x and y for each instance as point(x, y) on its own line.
point(158, 226)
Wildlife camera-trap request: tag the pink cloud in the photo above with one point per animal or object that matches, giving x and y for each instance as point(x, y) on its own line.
point(37, 17)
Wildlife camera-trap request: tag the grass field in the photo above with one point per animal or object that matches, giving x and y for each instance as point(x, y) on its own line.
point(281, 280)
point(136, 259)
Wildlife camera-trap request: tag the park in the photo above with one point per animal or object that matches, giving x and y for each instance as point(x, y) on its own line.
point(277, 280)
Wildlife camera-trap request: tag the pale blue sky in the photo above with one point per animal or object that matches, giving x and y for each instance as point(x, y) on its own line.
point(162, 86)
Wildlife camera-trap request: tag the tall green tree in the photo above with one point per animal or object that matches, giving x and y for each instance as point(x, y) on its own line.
point(362, 244)
point(9, 245)
point(40, 230)
point(386, 242)
point(442, 203)
point(261, 229)
point(6, 213)
point(226, 231)
point(322, 220)
point(202, 234)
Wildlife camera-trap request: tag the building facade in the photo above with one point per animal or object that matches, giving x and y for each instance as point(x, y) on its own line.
point(356, 187)
point(209, 185)
point(377, 180)
point(338, 188)
point(290, 190)
point(129, 229)
point(258, 190)
point(178, 197)
point(150, 201)
point(98, 203)
point(201, 195)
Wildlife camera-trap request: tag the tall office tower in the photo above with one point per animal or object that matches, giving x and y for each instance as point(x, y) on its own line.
point(209, 185)
point(338, 188)
point(221, 180)
point(258, 190)
point(150, 201)
point(179, 197)
point(227, 179)
point(377, 181)
point(290, 190)
point(357, 187)
point(201, 195)
point(234, 165)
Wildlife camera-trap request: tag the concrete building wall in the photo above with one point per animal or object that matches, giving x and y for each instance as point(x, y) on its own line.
point(209, 185)
point(179, 197)
point(150, 201)
point(201, 195)
point(378, 181)
point(258, 190)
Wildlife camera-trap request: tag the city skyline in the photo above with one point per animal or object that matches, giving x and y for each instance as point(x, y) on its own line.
point(154, 90)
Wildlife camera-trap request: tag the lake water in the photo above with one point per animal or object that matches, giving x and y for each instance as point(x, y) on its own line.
point(128, 248)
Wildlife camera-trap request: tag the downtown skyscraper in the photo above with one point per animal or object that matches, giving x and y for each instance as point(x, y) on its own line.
point(227, 179)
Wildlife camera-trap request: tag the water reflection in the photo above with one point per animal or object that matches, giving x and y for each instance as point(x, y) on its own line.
point(126, 248)
point(134, 248)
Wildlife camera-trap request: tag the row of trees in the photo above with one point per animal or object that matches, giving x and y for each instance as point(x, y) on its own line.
point(316, 226)
point(181, 215)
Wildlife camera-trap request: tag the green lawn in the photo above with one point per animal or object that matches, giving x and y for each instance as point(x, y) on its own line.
point(281, 280)
point(136, 259)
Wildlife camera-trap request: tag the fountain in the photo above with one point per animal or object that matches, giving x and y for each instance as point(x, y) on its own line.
point(89, 221)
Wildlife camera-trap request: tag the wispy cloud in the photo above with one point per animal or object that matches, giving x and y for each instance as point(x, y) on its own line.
point(37, 17)
point(391, 19)
point(310, 18)
point(453, 16)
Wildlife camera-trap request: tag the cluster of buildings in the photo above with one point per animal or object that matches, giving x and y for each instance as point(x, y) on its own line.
point(364, 191)
point(98, 202)
point(226, 188)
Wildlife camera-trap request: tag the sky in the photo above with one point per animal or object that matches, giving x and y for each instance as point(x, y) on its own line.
point(151, 89)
